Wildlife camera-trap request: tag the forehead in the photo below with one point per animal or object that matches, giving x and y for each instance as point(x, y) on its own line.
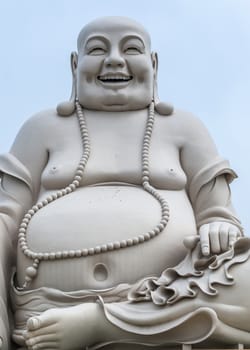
point(113, 28)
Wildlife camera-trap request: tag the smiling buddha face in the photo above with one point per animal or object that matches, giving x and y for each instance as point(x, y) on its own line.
point(114, 71)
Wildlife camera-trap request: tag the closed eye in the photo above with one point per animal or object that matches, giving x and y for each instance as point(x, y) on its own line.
point(132, 51)
point(96, 51)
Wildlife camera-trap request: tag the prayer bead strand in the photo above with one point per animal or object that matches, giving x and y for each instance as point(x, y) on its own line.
point(37, 257)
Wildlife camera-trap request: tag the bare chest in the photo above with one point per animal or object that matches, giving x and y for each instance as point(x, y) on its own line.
point(115, 156)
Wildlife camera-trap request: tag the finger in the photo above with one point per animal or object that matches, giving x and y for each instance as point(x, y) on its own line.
point(224, 236)
point(204, 239)
point(214, 237)
point(233, 234)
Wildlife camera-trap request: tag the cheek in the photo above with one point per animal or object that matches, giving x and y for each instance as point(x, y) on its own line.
point(141, 69)
point(89, 68)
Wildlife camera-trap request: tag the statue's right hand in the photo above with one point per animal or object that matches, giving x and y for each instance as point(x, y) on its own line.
point(217, 237)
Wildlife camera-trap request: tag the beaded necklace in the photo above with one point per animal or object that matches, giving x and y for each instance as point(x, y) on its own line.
point(31, 271)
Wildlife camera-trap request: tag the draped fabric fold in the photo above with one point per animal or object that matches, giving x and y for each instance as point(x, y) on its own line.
point(10, 165)
point(198, 294)
point(219, 166)
point(12, 204)
point(195, 273)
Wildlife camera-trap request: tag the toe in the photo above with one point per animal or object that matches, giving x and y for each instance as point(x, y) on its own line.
point(32, 341)
point(33, 323)
point(46, 319)
point(46, 345)
point(42, 333)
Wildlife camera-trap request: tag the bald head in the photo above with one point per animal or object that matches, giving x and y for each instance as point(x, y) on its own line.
point(113, 23)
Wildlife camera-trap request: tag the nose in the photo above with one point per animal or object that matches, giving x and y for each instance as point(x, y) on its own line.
point(114, 59)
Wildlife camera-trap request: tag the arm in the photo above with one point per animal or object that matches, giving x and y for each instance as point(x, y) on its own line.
point(218, 225)
point(19, 184)
point(12, 192)
point(208, 188)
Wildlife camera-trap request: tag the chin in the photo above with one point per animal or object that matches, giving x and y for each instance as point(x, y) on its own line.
point(115, 102)
point(121, 108)
point(125, 103)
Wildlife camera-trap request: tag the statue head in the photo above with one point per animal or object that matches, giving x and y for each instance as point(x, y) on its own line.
point(114, 69)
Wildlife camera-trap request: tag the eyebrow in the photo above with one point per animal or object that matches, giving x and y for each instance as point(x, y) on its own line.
point(95, 37)
point(132, 36)
point(104, 39)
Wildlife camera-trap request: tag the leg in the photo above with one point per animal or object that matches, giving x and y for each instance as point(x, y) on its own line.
point(85, 324)
point(74, 328)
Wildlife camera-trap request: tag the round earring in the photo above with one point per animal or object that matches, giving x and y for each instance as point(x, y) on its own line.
point(66, 108)
point(162, 108)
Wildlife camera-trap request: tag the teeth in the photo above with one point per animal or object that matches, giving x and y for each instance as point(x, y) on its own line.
point(114, 77)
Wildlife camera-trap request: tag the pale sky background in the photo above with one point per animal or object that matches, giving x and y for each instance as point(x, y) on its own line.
point(204, 58)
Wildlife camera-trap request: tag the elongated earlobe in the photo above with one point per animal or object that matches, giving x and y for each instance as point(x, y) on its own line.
point(162, 108)
point(67, 108)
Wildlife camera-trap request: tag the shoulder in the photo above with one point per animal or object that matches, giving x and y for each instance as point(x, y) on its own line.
point(184, 126)
point(41, 126)
point(189, 127)
point(183, 120)
point(41, 120)
point(37, 133)
point(187, 121)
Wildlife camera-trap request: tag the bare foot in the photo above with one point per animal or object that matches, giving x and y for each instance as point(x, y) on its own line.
point(69, 328)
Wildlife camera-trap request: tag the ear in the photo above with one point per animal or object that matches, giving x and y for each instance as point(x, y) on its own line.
point(73, 62)
point(160, 107)
point(154, 59)
point(66, 108)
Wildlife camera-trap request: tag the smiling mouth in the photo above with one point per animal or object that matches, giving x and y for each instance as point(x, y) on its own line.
point(114, 78)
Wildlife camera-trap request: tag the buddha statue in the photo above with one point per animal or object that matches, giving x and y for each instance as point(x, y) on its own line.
point(117, 228)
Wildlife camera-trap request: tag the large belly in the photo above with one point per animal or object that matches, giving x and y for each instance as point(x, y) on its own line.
point(95, 216)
